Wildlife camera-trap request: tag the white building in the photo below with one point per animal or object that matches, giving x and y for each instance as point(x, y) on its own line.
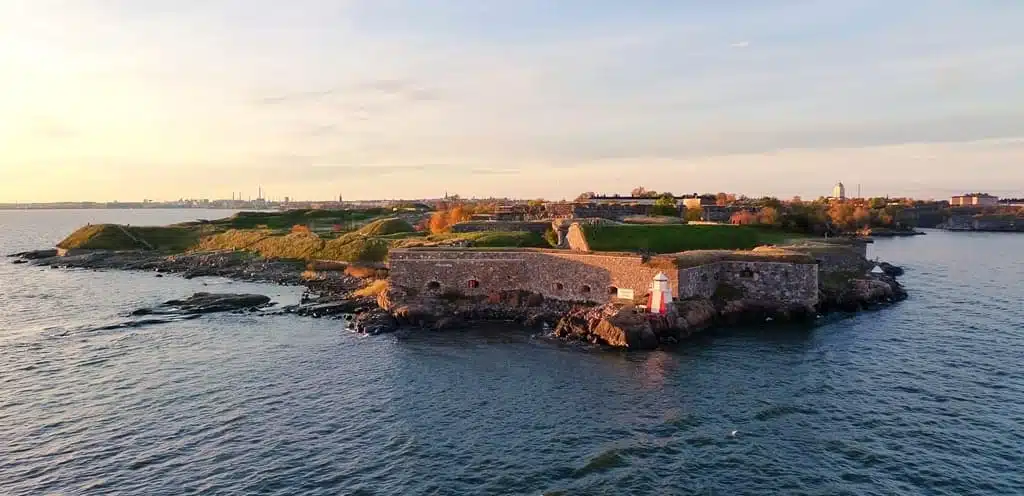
point(839, 191)
point(975, 200)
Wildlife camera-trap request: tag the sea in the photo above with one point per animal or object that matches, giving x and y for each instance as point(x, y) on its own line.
point(923, 397)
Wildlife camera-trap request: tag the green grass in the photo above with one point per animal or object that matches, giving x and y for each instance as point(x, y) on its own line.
point(495, 239)
point(386, 227)
point(114, 237)
point(676, 238)
point(351, 247)
point(288, 218)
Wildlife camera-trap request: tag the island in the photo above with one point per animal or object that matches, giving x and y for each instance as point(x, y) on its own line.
point(610, 283)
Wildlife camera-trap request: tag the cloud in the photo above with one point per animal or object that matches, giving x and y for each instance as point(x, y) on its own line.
point(740, 44)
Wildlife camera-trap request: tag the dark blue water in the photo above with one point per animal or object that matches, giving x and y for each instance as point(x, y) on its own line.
point(926, 397)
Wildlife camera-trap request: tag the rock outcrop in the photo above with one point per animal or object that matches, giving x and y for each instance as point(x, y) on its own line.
point(376, 321)
point(202, 303)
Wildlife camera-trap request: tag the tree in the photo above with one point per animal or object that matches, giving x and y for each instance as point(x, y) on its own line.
point(638, 192)
point(770, 201)
point(743, 217)
point(665, 205)
point(721, 199)
point(694, 214)
point(439, 222)
point(585, 196)
point(768, 216)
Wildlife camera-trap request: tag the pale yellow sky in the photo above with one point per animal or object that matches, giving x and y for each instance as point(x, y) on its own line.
point(118, 99)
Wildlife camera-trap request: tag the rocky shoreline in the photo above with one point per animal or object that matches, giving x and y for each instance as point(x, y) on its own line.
point(332, 294)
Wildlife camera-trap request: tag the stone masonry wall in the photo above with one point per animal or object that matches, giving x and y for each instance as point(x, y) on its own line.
point(575, 276)
point(845, 260)
point(562, 275)
point(698, 281)
point(772, 281)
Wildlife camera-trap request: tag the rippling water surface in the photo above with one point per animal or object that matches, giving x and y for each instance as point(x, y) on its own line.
point(926, 397)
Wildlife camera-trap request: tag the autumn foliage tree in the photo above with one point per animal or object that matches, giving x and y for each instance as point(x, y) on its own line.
point(768, 216)
point(443, 220)
point(743, 218)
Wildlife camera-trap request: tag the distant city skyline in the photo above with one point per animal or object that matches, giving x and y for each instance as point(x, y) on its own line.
point(127, 99)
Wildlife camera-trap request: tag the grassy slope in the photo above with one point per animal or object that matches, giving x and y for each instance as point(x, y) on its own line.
point(113, 237)
point(487, 239)
point(368, 244)
point(676, 238)
point(289, 218)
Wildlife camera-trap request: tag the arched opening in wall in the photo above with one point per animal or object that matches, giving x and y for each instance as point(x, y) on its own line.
point(433, 285)
point(613, 291)
point(747, 274)
point(584, 289)
point(559, 286)
point(473, 284)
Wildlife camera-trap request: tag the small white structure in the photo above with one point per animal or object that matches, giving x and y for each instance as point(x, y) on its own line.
point(839, 191)
point(661, 294)
point(877, 270)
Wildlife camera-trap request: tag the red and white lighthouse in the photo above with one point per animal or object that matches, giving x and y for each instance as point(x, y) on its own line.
point(661, 294)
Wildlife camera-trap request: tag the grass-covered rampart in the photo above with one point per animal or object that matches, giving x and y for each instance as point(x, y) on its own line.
point(677, 238)
point(282, 235)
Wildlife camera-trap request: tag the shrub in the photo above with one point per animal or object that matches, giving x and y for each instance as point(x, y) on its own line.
point(551, 237)
point(361, 271)
point(373, 289)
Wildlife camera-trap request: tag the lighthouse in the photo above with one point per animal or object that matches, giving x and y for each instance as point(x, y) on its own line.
point(661, 294)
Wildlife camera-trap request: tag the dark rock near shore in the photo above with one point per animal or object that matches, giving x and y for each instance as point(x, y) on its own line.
point(202, 303)
point(35, 255)
point(376, 321)
point(19, 261)
point(890, 269)
point(329, 307)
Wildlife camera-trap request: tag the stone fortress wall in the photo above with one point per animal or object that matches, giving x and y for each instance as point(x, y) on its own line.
point(575, 276)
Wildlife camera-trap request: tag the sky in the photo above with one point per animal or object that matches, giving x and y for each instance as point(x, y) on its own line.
point(163, 99)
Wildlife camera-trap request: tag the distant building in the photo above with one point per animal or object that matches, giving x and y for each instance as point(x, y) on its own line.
point(627, 200)
point(974, 200)
point(698, 202)
point(839, 191)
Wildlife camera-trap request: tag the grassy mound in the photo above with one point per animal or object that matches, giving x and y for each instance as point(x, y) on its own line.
point(117, 237)
point(676, 238)
point(385, 227)
point(354, 249)
point(351, 247)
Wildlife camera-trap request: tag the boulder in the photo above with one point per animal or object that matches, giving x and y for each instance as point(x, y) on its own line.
point(417, 315)
point(326, 307)
point(212, 302)
point(35, 255)
point(376, 321)
point(626, 329)
point(890, 269)
point(695, 315)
